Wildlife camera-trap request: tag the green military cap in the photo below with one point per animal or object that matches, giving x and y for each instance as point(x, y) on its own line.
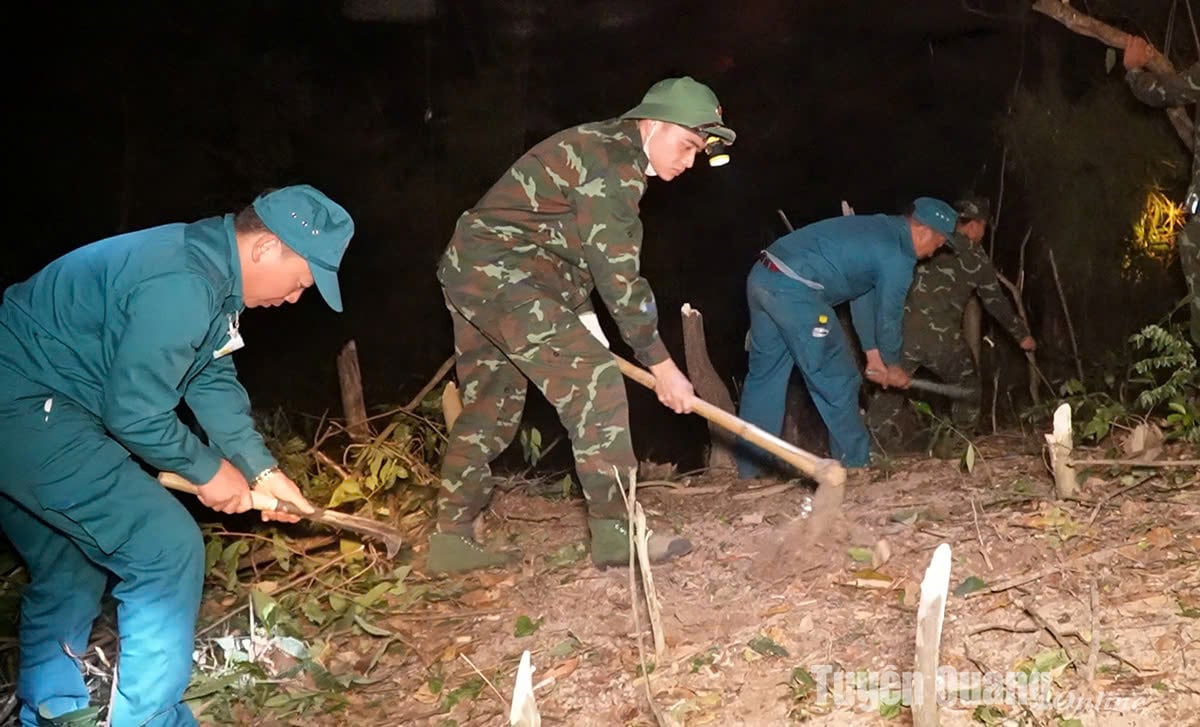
point(313, 225)
point(684, 101)
point(974, 208)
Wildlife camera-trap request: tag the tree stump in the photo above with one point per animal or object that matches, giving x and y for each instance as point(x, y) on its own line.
point(354, 406)
point(708, 386)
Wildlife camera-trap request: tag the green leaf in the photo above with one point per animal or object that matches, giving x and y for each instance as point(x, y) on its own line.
point(349, 491)
point(890, 705)
point(264, 607)
point(526, 626)
point(338, 603)
point(568, 554)
point(369, 627)
point(704, 658)
point(861, 555)
point(802, 682)
point(564, 648)
point(969, 458)
point(908, 517)
point(229, 561)
point(970, 585)
point(210, 686)
point(1187, 611)
point(212, 553)
point(469, 690)
point(311, 608)
point(1046, 662)
point(766, 646)
point(369, 598)
point(989, 715)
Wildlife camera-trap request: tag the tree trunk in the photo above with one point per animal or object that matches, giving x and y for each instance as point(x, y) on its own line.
point(708, 386)
point(1086, 25)
point(354, 406)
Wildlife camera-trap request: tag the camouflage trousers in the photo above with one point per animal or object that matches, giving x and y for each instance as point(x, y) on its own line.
point(1188, 244)
point(944, 354)
point(500, 348)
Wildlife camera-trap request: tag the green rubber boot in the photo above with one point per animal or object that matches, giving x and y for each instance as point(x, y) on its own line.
point(450, 553)
point(86, 717)
point(610, 544)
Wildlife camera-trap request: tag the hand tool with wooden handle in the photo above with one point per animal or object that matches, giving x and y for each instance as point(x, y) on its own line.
point(373, 529)
point(824, 471)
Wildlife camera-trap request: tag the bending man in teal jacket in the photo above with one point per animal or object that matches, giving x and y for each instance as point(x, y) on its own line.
point(867, 260)
point(96, 351)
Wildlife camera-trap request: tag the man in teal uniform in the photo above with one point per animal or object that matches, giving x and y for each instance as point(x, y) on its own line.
point(96, 352)
point(864, 259)
point(517, 277)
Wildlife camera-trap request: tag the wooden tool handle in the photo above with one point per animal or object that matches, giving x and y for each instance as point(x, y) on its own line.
point(822, 470)
point(260, 500)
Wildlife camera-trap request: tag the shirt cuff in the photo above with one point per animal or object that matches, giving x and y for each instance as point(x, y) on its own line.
point(252, 463)
point(653, 354)
point(203, 468)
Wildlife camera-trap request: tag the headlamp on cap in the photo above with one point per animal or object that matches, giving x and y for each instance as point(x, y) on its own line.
point(717, 151)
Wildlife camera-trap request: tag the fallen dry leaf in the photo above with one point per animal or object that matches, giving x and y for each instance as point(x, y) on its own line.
point(881, 554)
point(776, 610)
point(1166, 644)
point(1160, 537)
point(1144, 442)
point(425, 695)
point(563, 669)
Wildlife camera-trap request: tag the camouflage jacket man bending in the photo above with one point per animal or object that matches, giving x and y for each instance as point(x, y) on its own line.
point(517, 276)
point(933, 313)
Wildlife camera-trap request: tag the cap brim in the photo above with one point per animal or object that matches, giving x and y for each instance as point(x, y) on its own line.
point(724, 133)
point(952, 241)
point(327, 283)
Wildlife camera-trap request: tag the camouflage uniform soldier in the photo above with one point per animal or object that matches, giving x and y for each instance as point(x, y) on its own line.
point(1184, 88)
point(517, 276)
point(933, 315)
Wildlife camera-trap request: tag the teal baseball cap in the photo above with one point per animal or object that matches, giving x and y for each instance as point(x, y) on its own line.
point(687, 102)
point(938, 216)
point(314, 226)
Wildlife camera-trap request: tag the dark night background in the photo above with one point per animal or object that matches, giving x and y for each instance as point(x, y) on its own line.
point(129, 115)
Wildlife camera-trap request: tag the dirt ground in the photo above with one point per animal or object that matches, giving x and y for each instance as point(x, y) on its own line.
point(733, 639)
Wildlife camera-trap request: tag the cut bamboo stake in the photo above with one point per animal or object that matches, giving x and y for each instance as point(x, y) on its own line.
point(930, 614)
point(524, 711)
point(1059, 443)
point(824, 471)
point(373, 529)
point(708, 385)
point(350, 381)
